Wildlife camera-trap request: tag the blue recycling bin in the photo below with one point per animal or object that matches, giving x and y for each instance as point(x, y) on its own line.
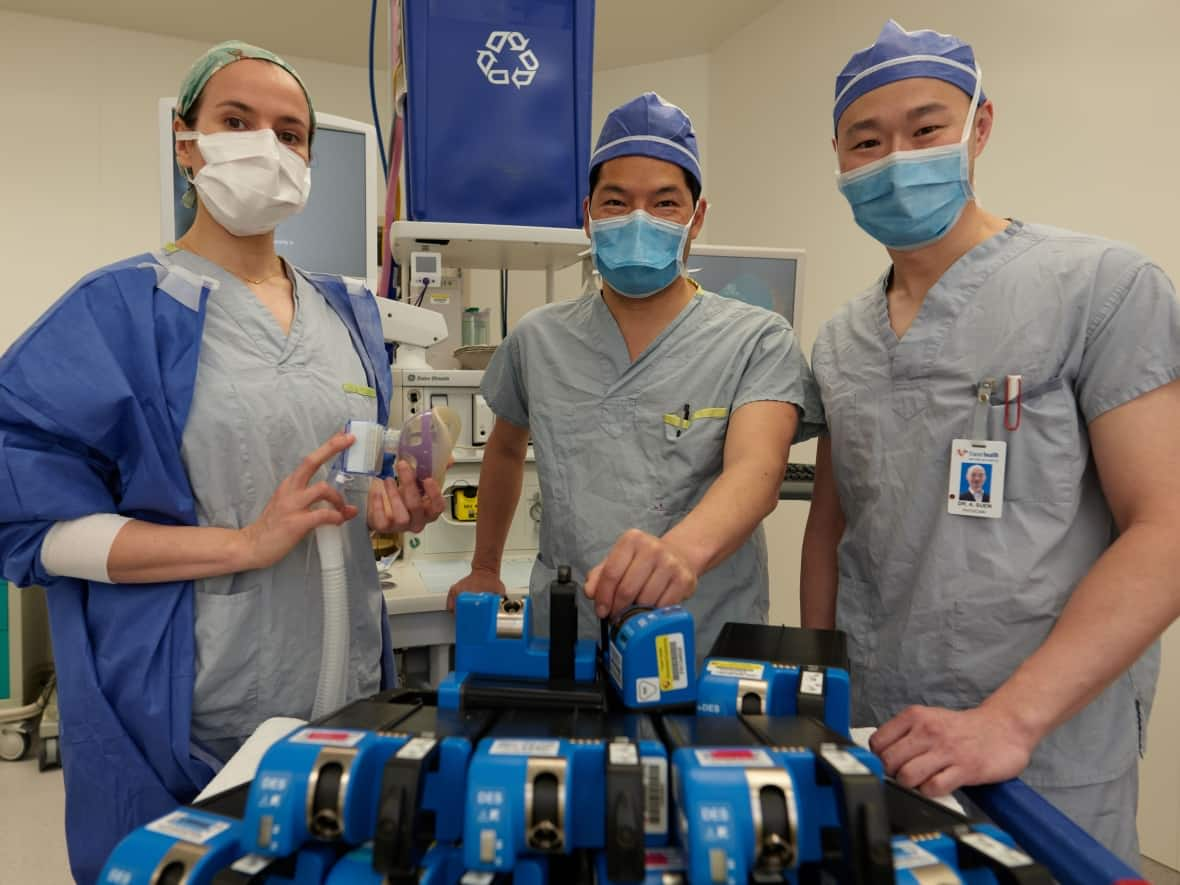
point(498, 110)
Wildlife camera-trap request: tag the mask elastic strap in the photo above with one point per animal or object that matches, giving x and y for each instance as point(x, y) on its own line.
point(680, 256)
point(974, 105)
point(186, 135)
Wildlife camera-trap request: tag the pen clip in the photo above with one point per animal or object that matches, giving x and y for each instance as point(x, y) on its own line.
point(1013, 392)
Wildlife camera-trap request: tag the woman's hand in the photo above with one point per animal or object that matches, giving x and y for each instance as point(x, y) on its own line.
point(400, 506)
point(292, 510)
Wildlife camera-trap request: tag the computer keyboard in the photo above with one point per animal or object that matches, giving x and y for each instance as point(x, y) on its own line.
point(800, 472)
point(798, 482)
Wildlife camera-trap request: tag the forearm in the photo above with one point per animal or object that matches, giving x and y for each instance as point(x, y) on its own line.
point(739, 499)
point(146, 553)
point(1126, 601)
point(818, 575)
point(500, 480)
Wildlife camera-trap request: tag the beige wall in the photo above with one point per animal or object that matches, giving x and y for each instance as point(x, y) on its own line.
point(79, 180)
point(1084, 122)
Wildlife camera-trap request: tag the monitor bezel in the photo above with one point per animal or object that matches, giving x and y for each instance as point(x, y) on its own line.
point(799, 256)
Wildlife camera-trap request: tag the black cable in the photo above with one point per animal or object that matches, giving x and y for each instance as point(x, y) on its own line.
point(422, 294)
point(373, 90)
point(504, 305)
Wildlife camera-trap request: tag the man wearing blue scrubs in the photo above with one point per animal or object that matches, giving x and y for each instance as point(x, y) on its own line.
point(1016, 637)
point(661, 415)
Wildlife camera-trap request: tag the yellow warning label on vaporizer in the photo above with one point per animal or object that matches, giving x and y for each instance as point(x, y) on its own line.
point(671, 661)
point(735, 669)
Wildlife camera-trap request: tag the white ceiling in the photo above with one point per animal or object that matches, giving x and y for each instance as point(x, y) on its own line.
point(627, 32)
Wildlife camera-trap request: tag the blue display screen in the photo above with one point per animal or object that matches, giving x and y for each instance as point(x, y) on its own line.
point(765, 282)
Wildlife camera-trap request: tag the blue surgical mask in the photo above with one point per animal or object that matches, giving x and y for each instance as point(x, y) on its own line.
point(911, 199)
point(638, 255)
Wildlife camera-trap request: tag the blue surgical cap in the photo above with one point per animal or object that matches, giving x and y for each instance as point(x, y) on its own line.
point(648, 126)
point(899, 54)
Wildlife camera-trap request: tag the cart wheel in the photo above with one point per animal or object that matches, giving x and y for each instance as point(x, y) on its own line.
point(14, 743)
point(49, 756)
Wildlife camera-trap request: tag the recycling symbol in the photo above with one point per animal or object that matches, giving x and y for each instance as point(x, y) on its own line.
point(489, 58)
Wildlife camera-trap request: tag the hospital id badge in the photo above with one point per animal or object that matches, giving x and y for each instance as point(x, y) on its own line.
point(977, 478)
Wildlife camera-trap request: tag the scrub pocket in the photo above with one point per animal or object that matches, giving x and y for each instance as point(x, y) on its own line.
point(1045, 460)
point(594, 482)
point(225, 688)
point(360, 402)
point(690, 454)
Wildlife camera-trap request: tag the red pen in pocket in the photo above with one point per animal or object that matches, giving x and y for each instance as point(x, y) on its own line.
point(1013, 387)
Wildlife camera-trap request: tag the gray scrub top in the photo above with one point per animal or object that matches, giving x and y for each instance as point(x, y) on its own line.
point(941, 609)
point(607, 459)
point(261, 403)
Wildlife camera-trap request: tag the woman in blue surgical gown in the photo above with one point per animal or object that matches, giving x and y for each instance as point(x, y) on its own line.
point(162, 431)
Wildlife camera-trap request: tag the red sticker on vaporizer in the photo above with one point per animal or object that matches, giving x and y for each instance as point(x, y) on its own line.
point(735, 758)
point(328, 738)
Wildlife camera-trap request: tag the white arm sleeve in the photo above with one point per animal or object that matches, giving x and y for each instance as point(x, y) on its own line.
point(79, 548)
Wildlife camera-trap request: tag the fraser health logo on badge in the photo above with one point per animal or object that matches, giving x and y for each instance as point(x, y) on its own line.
point(977, 478)
point(494, 61)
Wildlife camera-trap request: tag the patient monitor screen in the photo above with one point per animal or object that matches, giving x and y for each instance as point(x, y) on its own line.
point(765, 282)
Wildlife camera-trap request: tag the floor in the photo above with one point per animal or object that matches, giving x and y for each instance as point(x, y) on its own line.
point(1159, 874)
point(32, 840)
point(33, 845)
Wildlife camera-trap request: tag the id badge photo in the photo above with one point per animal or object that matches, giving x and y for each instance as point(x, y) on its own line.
point(977, 478)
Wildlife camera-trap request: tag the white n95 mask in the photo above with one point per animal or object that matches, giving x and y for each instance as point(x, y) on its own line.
point(250, 181)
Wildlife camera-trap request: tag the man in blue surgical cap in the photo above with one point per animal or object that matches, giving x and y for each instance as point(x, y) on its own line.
point(1017, 635)
point(660, 414)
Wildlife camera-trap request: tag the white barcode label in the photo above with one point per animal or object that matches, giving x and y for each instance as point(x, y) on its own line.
point(672, 662)
point(624, 754)
point(908, 854)
point(251, 864)
point(417, 749)
point(996, 850)
point(843, 761)
point(655, 795)
point(812, 682)
point(188, 826)
point(503, 747)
